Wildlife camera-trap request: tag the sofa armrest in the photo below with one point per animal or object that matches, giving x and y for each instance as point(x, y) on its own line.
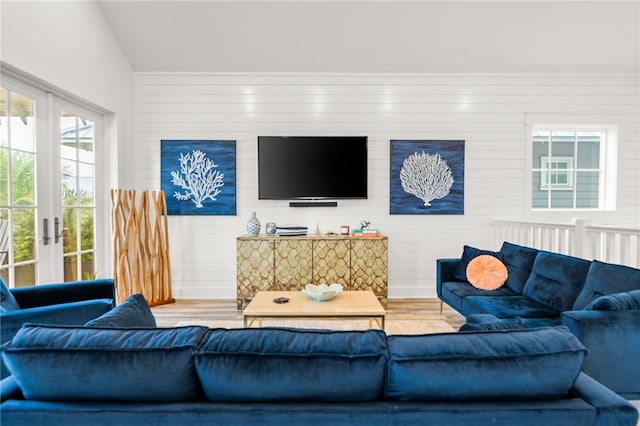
point(53, 294)
point(445, 271)
point(613, 340)
point(9, 389)
point(74, 313)
point(612, 409)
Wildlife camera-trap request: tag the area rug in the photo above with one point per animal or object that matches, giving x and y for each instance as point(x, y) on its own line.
point(391, 326)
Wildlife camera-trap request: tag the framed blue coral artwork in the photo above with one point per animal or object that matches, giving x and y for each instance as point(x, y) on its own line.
point(199, 176)
point(427, 177)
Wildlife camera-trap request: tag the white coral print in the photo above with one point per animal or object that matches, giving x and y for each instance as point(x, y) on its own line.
point(198, 177)
point(427, 176)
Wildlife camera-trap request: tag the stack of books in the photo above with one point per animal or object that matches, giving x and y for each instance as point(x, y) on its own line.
point(365, 233)
point(291, 231)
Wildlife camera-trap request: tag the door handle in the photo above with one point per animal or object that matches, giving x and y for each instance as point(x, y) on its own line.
point(45, 231)
point(56, 230)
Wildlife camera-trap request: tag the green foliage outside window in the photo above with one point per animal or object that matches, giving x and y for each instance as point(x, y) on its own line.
point(23, 218)
point(22, 167)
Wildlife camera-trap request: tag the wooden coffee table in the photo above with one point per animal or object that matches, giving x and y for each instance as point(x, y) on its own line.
point(347, 304)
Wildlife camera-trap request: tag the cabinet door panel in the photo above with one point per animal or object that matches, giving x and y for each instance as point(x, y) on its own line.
point(293, 264)
point(255, 267)
point(369, 266)
point(331, 262)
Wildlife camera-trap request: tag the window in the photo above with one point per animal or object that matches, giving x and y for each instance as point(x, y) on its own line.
point(572, 168)
point(556, 173)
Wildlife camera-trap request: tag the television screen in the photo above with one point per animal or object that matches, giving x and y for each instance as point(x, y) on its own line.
point(312, 167)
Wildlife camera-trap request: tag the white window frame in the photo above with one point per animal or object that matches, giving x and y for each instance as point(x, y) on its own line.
point(547, 172)
point(608, 167)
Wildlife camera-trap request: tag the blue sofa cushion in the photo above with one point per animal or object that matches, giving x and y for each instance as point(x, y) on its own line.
point(133, 312)
point(542, 322)
point(454, 292)
point(627, 301)
point(508, 307)
point(468, 254)
point(280, 364)
point(556, 280)
point(7, 301)
point(606, 278)
point(527, 364)
point(519, 262)
point(112, 364)
point(487, 322)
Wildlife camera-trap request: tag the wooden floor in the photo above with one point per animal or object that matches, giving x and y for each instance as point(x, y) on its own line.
point(211, 310)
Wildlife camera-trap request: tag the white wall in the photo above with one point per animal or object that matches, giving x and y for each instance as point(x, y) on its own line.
point(489, 112)
point(379, 35)
point(71, 46)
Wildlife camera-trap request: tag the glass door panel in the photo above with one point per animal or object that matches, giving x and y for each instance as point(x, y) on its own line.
point(77, 162)
point(18, 209)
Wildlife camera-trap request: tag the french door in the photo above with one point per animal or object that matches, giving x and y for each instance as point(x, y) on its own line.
point(48, 171)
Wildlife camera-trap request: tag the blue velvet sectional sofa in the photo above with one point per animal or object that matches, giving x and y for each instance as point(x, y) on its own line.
point(72, 303)
point(276, 376)
point(598, 302)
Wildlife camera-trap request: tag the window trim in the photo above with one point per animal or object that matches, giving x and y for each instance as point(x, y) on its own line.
point(608, 167)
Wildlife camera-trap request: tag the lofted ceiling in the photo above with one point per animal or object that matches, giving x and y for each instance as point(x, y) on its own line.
point(378, 36)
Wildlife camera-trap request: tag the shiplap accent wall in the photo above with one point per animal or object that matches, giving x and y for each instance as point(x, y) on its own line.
point(490, 112)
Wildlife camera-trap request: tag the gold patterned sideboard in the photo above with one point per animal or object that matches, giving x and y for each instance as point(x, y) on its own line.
point(288, 263)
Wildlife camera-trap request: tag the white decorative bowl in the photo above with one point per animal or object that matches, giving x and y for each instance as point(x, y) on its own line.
point(322, 292)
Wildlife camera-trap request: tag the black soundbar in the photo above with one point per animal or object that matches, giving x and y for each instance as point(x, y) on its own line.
point(313, 204)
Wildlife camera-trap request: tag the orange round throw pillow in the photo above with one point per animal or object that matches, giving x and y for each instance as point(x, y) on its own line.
point(486, 272)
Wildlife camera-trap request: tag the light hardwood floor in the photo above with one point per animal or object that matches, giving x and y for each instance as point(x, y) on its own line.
point(205, 311)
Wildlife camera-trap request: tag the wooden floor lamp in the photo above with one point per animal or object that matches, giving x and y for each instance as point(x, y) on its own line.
point(141, 246)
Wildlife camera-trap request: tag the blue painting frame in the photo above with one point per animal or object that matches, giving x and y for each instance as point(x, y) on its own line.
point(199, 176)
point(426, 177)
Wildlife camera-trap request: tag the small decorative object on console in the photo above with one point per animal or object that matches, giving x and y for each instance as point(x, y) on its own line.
point(322, 292)
point(270, 228)
point(291, 231)
point(253, 225)
point(280, 300)
point(365, 233)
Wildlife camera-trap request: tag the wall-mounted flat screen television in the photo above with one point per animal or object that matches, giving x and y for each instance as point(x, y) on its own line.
point(312, 167)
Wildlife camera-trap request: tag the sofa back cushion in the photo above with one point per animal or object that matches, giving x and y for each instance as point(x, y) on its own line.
point(133, 312)
point(113, 364)
point(556, 280)
point(279, 364)
point(519, 262)
point(7, 301)
point(524, 364)
point(627, 301)
point(606, 278)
